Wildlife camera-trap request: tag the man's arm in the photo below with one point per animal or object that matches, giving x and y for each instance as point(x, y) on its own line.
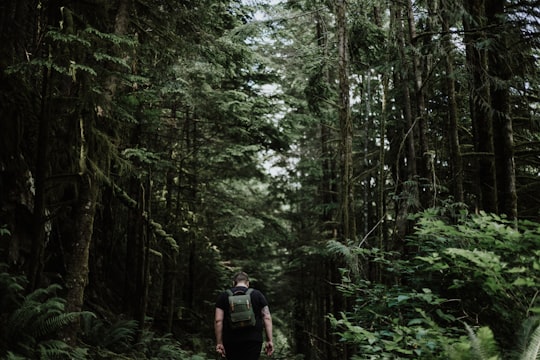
point(267, 320)
point(218, 329)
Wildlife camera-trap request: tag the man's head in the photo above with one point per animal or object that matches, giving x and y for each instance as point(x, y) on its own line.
point(240, 277)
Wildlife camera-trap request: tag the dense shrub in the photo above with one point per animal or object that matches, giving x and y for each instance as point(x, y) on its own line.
point(468, 272)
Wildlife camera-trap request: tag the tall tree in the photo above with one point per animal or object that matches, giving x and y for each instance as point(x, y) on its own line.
point(500, 73)
point(448, 12)
point(402, 141)
point(479, 98)
point(347, 198)
point(91, 162)
point(419, 76)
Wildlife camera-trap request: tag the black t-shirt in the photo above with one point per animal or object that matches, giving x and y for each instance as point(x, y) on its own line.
point(245, 334)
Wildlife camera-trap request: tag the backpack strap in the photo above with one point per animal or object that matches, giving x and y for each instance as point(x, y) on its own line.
point(247, 292)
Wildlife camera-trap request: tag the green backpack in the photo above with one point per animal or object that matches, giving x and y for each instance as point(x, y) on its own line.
point(241, 313)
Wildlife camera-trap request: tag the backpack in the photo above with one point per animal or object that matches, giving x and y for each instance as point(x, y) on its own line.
point(241, 313)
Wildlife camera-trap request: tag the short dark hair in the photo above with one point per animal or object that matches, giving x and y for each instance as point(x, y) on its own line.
point(240, 276)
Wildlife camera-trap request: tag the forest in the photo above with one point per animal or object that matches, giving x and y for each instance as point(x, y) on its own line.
point(373, 165)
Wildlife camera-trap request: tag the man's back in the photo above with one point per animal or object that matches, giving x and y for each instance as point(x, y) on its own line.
point(244, 343)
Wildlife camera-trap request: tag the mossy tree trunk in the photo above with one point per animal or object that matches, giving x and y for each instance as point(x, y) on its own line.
point(500, 73)
point(88, 190)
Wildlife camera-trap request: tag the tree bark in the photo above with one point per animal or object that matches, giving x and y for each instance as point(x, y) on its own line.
point(419, 116)
point(77, 266)
point(479, 100)
point(347, 207)
point(38, 241)
point(406, 172)
point(328, 181)
point(499, 72)
point(88, 190)
point(455, 150)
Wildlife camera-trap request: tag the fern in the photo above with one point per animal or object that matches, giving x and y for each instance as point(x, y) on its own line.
point(532, 341)
point(11, 289)
point(56, 349)
point(121, 334)
point(60, 37)
point(40, 314)
point(32, 318)
point(483, 343)
point(112, 38)
point(116, 337)
point(12, 356)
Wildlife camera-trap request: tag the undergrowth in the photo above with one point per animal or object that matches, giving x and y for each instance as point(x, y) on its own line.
point(31, 325)
point(467, 286)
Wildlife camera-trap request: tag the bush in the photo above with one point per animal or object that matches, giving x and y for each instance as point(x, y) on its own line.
point(479, 271)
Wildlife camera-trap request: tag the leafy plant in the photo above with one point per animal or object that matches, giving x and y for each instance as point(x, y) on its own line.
point(396, 322)
point(478, 269)
point(165, 347)
point(488, 262)
point(118, 337)
point(481, 345)
point(31, 323)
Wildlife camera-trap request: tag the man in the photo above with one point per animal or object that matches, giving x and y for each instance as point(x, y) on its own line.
point(245, 343)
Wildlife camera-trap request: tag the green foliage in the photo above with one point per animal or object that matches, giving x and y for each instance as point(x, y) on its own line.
point(30, 326)
point(477, 269)
point(529, 346)
point(488, 262)
point(116, 337)
point(479, 345)
point(4, 230)
point(396, 322)
point(30, 323)
point(57, 349)
point(165, 347)
point(532, 352)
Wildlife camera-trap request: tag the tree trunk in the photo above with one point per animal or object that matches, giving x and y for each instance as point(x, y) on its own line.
point(455, 151)
point(38, 241)
point(348, 215)
point(170, 261)
point(479, 100)
point(77, 266)
point(143, 271)
point(406, 173)
point(347, 206)
point(328, 180)
point(419, 116)
point(376, 273)
point(88, 191)
point(500, 103)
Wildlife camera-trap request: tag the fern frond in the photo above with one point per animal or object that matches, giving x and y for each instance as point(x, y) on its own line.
point(40, 314)
point(118, 336)
point(27, 316)
point(53, 349)
point(483, 343)
point(11, 290)
point(54, 323)
point(121, 333)
point(12, 356)
point(112, 38)
point(57, 349)
point(169, 351)
point(532, 351)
